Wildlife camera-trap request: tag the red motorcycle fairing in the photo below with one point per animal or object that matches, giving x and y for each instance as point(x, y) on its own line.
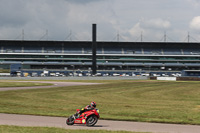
point(83, 117)
point(89, 118)
point(80, 121)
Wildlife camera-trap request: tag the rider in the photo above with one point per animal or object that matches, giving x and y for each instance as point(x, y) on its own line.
point(87, 108)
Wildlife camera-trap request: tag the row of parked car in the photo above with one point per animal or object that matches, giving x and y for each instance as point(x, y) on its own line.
point(58, 74)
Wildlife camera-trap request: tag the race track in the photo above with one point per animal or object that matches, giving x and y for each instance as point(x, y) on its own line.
point(55, 84)
point(44, 121)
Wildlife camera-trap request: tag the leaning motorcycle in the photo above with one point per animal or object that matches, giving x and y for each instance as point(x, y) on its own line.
point(89, 118)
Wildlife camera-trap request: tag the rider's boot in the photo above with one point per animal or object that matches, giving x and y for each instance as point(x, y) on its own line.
point(76, 115)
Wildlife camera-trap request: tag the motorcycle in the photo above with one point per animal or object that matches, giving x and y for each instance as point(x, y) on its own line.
point(89, 118)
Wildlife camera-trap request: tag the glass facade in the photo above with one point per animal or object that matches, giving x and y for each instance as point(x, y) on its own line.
point(112, 56)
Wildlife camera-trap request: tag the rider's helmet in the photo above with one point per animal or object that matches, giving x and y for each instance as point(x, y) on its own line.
point(93, 104)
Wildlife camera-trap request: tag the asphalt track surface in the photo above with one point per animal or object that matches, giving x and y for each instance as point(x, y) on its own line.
point(60, 122)
point(55, 84)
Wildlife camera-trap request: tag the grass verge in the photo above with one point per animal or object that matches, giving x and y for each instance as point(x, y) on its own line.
point(146, 101)
point(17, 129)
point(21, 84)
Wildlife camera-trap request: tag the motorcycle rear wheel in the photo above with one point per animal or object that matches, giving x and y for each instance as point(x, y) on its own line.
point(91, 120)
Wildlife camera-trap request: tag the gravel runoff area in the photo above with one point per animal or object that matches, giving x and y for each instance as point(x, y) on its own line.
point(60, 122)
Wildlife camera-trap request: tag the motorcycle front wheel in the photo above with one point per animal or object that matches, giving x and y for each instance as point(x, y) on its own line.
point(91, 120)
point(70, 120)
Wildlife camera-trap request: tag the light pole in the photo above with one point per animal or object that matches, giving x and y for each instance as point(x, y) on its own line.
point(94, 47)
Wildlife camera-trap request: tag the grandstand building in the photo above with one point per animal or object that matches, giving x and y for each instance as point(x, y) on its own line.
point(39, 58)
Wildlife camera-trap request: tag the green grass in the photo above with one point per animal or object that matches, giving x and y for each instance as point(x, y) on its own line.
point(17, 129)
point(146, 101)
point(4, 70)
point(21, 84)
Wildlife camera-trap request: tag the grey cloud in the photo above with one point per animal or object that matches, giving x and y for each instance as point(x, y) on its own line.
point(82, 1)
point(156, 23)
point(195, 23)
point(13, 13)
point(112, 16)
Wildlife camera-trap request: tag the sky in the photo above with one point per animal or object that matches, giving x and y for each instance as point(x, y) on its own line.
point(117, 20)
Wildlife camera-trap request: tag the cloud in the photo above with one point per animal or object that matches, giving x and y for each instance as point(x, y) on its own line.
point(152, 29)
point(195, 23)
point(10, 17)
point(136, 30)
point(82, 1)
point(34, 17)
point(111, 16)
point(156, 23)
point(195, 3)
